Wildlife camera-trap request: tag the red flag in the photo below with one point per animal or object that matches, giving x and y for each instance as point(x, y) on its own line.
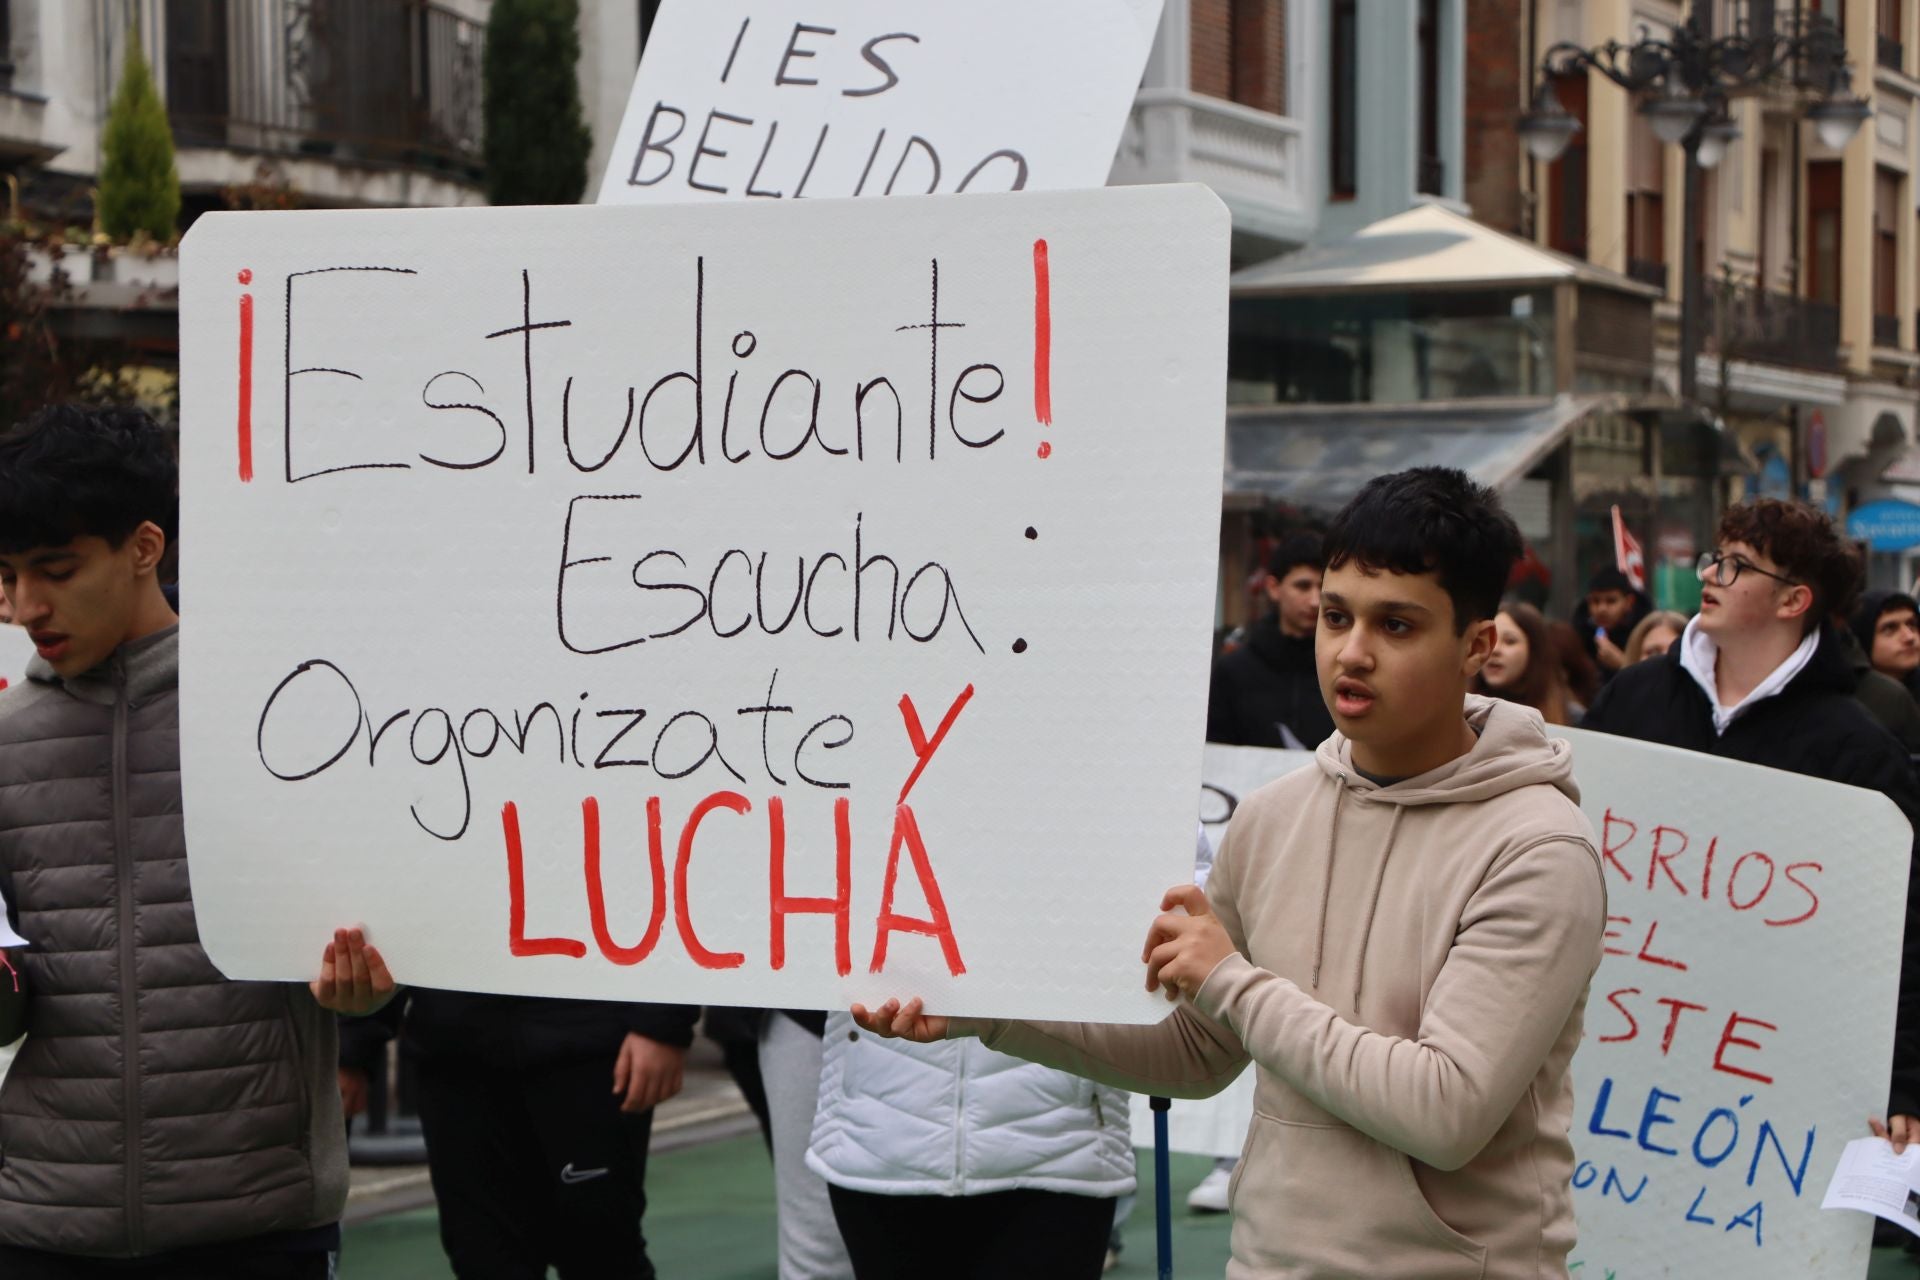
point(1627, 554)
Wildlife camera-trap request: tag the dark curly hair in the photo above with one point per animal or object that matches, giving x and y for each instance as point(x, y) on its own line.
point(73, 471)
point(1432, 520)
point(1803, 542)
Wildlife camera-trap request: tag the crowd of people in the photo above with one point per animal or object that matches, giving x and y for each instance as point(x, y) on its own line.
point(1349, 939)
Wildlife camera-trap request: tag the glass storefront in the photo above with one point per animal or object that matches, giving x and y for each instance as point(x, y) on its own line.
point(1391, 348)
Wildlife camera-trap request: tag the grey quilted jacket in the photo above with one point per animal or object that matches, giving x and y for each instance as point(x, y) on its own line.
point(154, 1105)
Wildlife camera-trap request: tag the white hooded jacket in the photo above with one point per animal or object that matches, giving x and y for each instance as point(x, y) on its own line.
point(957, 1119)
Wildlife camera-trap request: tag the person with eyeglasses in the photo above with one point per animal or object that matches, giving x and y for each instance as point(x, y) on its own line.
point(1761, 675)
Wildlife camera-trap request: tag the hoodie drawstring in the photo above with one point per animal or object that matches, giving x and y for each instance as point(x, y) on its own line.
point(1373, 899)
point(1326, 881)
point(1373, 903)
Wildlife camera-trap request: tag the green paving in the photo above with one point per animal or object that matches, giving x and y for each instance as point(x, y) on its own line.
point(710, 1217)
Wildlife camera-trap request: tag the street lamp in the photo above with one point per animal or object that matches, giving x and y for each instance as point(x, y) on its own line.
point(1547, 129)
point(1687, 79)
point(1835, 120)
point(1717, 134)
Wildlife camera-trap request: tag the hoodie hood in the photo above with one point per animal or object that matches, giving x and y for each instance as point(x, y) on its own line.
point(1866, 614)
point(1513, 751)
point(1583, 621)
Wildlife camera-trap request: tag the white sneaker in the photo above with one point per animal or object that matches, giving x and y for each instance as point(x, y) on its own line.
point(1113, 1260)
point(1211, 1195)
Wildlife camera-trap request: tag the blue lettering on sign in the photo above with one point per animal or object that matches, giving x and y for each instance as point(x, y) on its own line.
point(1751, 1218)
point(1651, 1116)
point(1796, 1176)
point(1594, 1125)
point(1615, 1186)
point(1706, 1127)
point(1713, 1141)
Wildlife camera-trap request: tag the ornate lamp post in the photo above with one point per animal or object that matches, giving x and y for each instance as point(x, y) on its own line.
point(1686, 80)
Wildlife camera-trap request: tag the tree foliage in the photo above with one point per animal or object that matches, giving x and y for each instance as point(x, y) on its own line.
point(537, 139)
point(40, 364)
point(139, 186)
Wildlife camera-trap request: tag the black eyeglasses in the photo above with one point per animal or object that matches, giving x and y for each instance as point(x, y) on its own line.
point(1723, 570)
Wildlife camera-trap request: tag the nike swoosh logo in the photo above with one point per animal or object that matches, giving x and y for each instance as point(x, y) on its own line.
point(571, 1175)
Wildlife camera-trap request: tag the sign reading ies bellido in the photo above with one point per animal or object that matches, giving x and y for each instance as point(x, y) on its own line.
point(774, 604)
point(758, 99)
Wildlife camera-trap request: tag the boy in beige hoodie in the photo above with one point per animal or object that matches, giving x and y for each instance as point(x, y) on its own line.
point(1400, 940)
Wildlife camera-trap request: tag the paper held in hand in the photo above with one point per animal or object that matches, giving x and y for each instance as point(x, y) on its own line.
point(8, 938)
point(1872, 1179)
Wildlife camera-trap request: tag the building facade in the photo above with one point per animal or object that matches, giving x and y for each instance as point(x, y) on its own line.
point(1809, 276)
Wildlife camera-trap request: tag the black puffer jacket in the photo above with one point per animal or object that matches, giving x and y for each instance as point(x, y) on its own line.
point(1265, 684)
point(155, 1105)
point(1813, 727)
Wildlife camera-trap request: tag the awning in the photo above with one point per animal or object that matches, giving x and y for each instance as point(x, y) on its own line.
point(1319, 457)
point(1424, 249)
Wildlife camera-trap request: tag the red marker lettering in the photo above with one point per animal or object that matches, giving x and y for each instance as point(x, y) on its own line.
point(245, 420)
point(906, 830)
point(923, 748)
point(1661, 860)
point(682, 917)
point(597, 894)
point(1727, 1037)
point(1734, 879)
point(1813, 899)
point(1608, 848)
point(518, 943)
point(1633, 1023)
point(840, 906)
point(1673, 1018)
point(1646, 950)
point(1042, 341)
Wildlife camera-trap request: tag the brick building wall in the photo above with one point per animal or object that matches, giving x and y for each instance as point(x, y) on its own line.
point(1497, 82)
point(1239, 52)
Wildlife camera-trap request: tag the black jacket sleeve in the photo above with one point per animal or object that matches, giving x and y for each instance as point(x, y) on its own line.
point(13, 1001)
point(1598, 714)
point(364, 1040)
point(670, 1024)
point(1881, 765)
point(1223, 725)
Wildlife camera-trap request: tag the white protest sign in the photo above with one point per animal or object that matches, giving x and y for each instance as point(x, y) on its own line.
point(16, 650)
point(1740, 1027)
point(748, 99)
point(749, 604)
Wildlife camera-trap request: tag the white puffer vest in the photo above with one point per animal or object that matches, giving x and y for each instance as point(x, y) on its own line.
point(957, 1119)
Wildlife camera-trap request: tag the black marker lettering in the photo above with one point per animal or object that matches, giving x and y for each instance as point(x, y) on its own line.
point(870, 51)
point(794, 51)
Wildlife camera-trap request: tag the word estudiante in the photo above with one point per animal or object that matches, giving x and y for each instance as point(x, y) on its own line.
point(699, 414)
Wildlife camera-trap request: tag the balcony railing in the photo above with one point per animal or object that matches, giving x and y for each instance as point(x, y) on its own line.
point(1886, 331)
point(1647, 272)
point(1745, 323)
point(1254, 160)
point(1891, 53)
point(383, 82)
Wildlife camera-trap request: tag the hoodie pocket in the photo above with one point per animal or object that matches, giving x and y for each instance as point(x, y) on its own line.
point(1330, 1200)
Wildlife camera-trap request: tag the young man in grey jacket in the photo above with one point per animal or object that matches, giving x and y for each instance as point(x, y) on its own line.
point(159, 1120)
